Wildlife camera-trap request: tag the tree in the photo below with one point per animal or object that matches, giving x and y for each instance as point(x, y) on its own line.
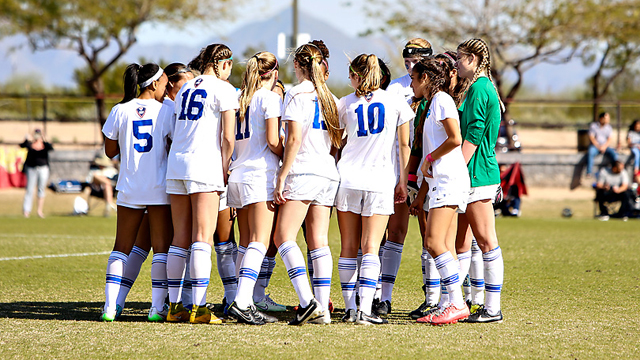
point(101, 32)
point(520, 33)
point(613, 42)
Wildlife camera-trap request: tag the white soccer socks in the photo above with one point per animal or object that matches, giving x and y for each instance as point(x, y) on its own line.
point(294, 262)
point(323, 269)
point(200, 271)
point(391, 258)
point(135, 260)
point(248, 274)
point(158, 280)
point(493, 276)
point(431, 278)
point(176, 264)
point(115, 269)
point(348, 271)
point(476, 274)
point(449, 270)
point(369, 271)
point(225, 258)
point(266, 270)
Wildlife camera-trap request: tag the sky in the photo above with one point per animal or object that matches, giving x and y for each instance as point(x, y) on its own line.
point(348, 16)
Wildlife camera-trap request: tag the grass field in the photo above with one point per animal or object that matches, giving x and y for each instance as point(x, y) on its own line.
point(572, 290)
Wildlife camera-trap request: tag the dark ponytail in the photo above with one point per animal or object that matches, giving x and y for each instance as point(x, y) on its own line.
point(135, 75)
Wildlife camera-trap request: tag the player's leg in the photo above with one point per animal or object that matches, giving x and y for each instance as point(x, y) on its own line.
point(317, 223)
point(224, 244)
point(392, 254)
point(177, 255)
point(161, 233)
point(136, 258)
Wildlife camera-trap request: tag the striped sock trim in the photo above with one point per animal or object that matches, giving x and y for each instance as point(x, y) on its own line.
point(178, 251)
point(140, 252)
point(443, 259)
point(202, 282)
point(393, 246)
point(297, 271)
point(159, 258)
point(320, 252)
point(248, 273)
point(322, 282)
point(492, 254)
point(494, 288)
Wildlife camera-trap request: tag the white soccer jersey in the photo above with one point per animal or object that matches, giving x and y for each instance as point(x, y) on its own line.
point(451, 165)
point(370, 124)
point(252, 152)
point(402, 86)
point(197, 137)
point(143, 156)
point(301, 105)
point(167, 116)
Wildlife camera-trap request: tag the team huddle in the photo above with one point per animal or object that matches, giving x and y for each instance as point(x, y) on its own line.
point(194, 151)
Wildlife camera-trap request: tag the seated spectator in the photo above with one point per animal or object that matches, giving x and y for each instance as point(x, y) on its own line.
point(600, 136)
point(633, 140)
point(102, 173)
point(613, 185)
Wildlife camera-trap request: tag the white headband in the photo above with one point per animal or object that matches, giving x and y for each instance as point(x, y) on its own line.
point(152, 79)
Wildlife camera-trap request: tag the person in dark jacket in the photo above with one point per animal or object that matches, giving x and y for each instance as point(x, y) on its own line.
point(36, 168)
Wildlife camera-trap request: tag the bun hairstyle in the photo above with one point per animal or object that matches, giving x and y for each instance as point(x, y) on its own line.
point(437, 72)
point(260, 66)
point(480, 49)
point(309, 58)
point(367, 69)
point(137, 75)
point(448, 61)
point(210, 56)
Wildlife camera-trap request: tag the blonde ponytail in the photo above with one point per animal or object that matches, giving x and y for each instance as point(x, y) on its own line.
point(367, 68)
point(259, 67)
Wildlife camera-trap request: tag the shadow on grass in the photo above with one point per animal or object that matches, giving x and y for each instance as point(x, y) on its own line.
point(77, 311)
point(133, 312)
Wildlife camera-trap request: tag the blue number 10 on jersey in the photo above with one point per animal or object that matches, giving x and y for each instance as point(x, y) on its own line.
point(374, 128)
point(195, 106)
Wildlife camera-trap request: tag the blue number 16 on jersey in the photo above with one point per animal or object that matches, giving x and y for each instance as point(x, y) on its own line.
point(193, 110)
point(374, 128)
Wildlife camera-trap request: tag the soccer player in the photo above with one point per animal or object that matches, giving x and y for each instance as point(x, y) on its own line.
point(307, 182)
point(133, 131)
point(371, 118)
point(253, 173)
point(391, 252)
point(444, 170)
point(199, 159)
point(479, 124)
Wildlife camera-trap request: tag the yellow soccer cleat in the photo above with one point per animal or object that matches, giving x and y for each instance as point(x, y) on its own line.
point(177, 313)
point(202, 315)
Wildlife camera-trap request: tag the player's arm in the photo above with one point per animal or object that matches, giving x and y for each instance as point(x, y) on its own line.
point(294, 140)
point(228, 140)
point(274, 141)
point(405, 151)
point(111, 148)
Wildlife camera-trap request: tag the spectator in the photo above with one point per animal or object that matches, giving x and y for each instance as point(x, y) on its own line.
point(600, 136)
point(613, 185)
point(633, 140)
point(36, 168)
point(102, 174)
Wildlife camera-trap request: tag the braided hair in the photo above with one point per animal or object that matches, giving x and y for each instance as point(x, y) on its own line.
point(480, 49)
point(210, 56)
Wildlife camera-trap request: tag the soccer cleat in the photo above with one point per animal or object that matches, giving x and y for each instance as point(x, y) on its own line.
point(330, 305)
point(450, 315)
point(268, 319)
point(350, 316)
point(373, 319)
point(304, 314)
point(118, 311)
point(249, 316)
point(423, 310)
point(108, 316)
point(202, 315)
point(474, 308)
point(433, 311)
point(267, 304)
point(383, 308)
point(323, 320)
point(177, 313)
point(158, 316)
point(483, 316)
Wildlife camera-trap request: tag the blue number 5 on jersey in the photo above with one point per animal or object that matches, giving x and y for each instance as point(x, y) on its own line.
point(374, 126)
point(142, 136)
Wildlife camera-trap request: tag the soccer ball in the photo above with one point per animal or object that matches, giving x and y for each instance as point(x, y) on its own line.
point(566, 212)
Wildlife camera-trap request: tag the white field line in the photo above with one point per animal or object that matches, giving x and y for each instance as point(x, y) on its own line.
point(53, 256)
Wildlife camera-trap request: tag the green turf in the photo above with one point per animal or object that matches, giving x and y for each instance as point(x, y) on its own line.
point(571, 291)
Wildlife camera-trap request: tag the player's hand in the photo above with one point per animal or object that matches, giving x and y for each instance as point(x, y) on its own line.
point(426, 169)
point(416, 206)
point(278, 193)
point(400, 193)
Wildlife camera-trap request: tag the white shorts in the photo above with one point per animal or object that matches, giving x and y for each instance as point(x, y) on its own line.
point(130, 206)
point(224, 205)
point(307, 187)
point(242, 194)
point(365, 203)
point(186, 187)
point(443, 193)
point(488, 192)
